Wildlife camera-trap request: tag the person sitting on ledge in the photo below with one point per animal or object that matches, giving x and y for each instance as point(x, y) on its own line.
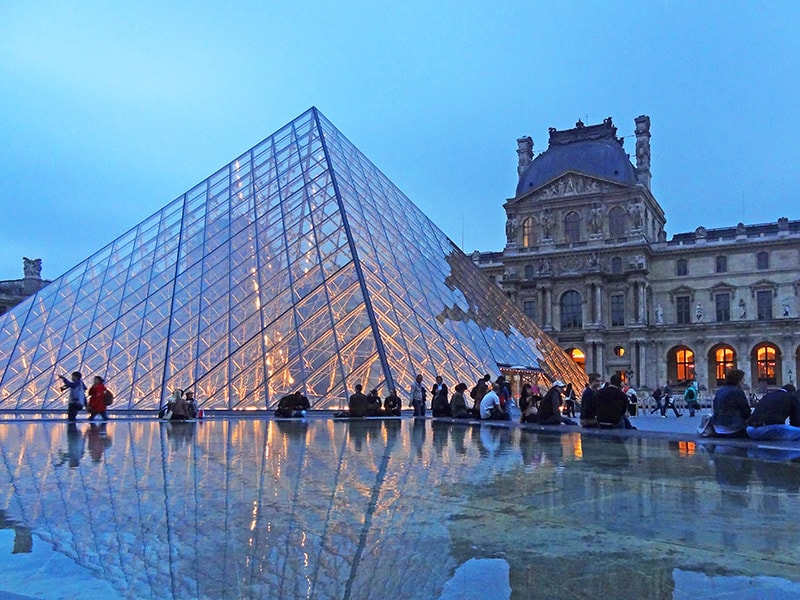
point(589, 400)
point(731, 408)
point(358, 403)
point(180, 411)
point(292, 406)
point(392, 404)
point(768, 421)
point(549, 407)
point(528, 405)
point(490, 406)
point(373, 403)
point(611, 405)
point(458, 403)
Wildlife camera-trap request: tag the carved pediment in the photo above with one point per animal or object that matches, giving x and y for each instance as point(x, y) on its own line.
point(574, 184)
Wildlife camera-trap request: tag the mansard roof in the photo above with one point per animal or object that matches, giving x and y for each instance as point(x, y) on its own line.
point(594, 150)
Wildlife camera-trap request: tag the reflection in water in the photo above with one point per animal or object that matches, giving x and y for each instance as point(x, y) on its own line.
point(323, 509)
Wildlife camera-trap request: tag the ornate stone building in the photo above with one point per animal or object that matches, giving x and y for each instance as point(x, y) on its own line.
point(587, 257)
point(14, 291)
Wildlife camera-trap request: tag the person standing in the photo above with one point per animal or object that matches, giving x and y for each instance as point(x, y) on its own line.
point(97, 399)
point(690, 398)
point(77, 394)
point(768, 421)
point(417, 394)
point(731, 408)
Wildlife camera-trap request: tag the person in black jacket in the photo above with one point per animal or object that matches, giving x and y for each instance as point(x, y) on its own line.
point(611, 405)
point(768, 421)
point(358, 403)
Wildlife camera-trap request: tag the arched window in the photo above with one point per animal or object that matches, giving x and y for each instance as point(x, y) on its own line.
point(578, 357)
point(527, 232)
point(572, 227)
point(723, 359)
point(766, 362)
point(616, 264)
point(617, 222)
point(680, 365)
point(571, 310)
point(530, 272)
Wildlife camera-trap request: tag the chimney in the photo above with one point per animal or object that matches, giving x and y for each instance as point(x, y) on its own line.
point(524, 153)
point(643, 150)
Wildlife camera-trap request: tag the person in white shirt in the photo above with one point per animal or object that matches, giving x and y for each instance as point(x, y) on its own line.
point(490, 406)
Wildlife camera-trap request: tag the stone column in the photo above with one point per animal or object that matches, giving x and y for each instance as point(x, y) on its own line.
point(598, 303)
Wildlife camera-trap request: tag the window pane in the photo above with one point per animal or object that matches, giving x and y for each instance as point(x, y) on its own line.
point(723, 307)
point(617, 310)
point(682, 310)
point(764, 305)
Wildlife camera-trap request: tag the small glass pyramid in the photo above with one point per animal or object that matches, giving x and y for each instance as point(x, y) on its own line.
point(298, 266)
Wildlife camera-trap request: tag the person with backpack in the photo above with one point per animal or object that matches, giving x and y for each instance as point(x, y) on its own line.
point(97, 399)
point(690, 398)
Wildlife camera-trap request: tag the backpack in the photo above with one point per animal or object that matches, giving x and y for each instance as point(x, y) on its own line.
point(108, 397)
point(690, 395)
point(473, 393)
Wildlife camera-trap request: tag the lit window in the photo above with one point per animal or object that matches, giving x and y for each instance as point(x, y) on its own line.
point(527, 232)
point(684, 364)
point(765, 361)
point(619, 351)
point(724, 361)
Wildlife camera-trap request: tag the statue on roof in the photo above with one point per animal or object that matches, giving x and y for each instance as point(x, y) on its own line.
point(32, 267)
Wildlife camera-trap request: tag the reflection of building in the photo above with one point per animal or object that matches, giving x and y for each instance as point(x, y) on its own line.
point(588, 258)
point(14, 291)
point(297, 266)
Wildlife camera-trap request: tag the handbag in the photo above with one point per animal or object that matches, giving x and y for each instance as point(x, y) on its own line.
point(108, 397)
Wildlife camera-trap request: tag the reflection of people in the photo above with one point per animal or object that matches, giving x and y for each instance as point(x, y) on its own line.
point(75, 446)
point(731, 408)
point(768, 421)
point(77, 394)
point(97, 440)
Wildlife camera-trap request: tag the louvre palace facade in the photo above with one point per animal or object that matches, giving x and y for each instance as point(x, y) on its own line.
point(587, 257)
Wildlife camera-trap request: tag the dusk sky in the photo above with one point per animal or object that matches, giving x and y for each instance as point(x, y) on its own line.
point(110, 110)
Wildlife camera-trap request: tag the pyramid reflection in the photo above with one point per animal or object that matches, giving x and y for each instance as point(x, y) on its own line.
point(297, 266)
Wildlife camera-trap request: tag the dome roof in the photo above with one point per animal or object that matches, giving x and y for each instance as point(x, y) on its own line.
point(593, 151)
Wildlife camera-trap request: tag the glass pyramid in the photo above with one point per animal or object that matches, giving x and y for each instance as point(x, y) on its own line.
point(298, 266)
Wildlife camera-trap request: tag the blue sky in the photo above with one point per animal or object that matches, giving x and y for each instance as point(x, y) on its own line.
point(109, 110)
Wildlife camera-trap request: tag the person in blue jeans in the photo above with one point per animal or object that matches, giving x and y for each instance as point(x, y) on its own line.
point(768, 421)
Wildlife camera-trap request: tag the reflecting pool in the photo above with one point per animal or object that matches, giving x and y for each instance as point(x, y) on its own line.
point(249, 508)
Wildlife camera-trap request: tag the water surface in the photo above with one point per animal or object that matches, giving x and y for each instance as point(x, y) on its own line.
point(249, 508)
